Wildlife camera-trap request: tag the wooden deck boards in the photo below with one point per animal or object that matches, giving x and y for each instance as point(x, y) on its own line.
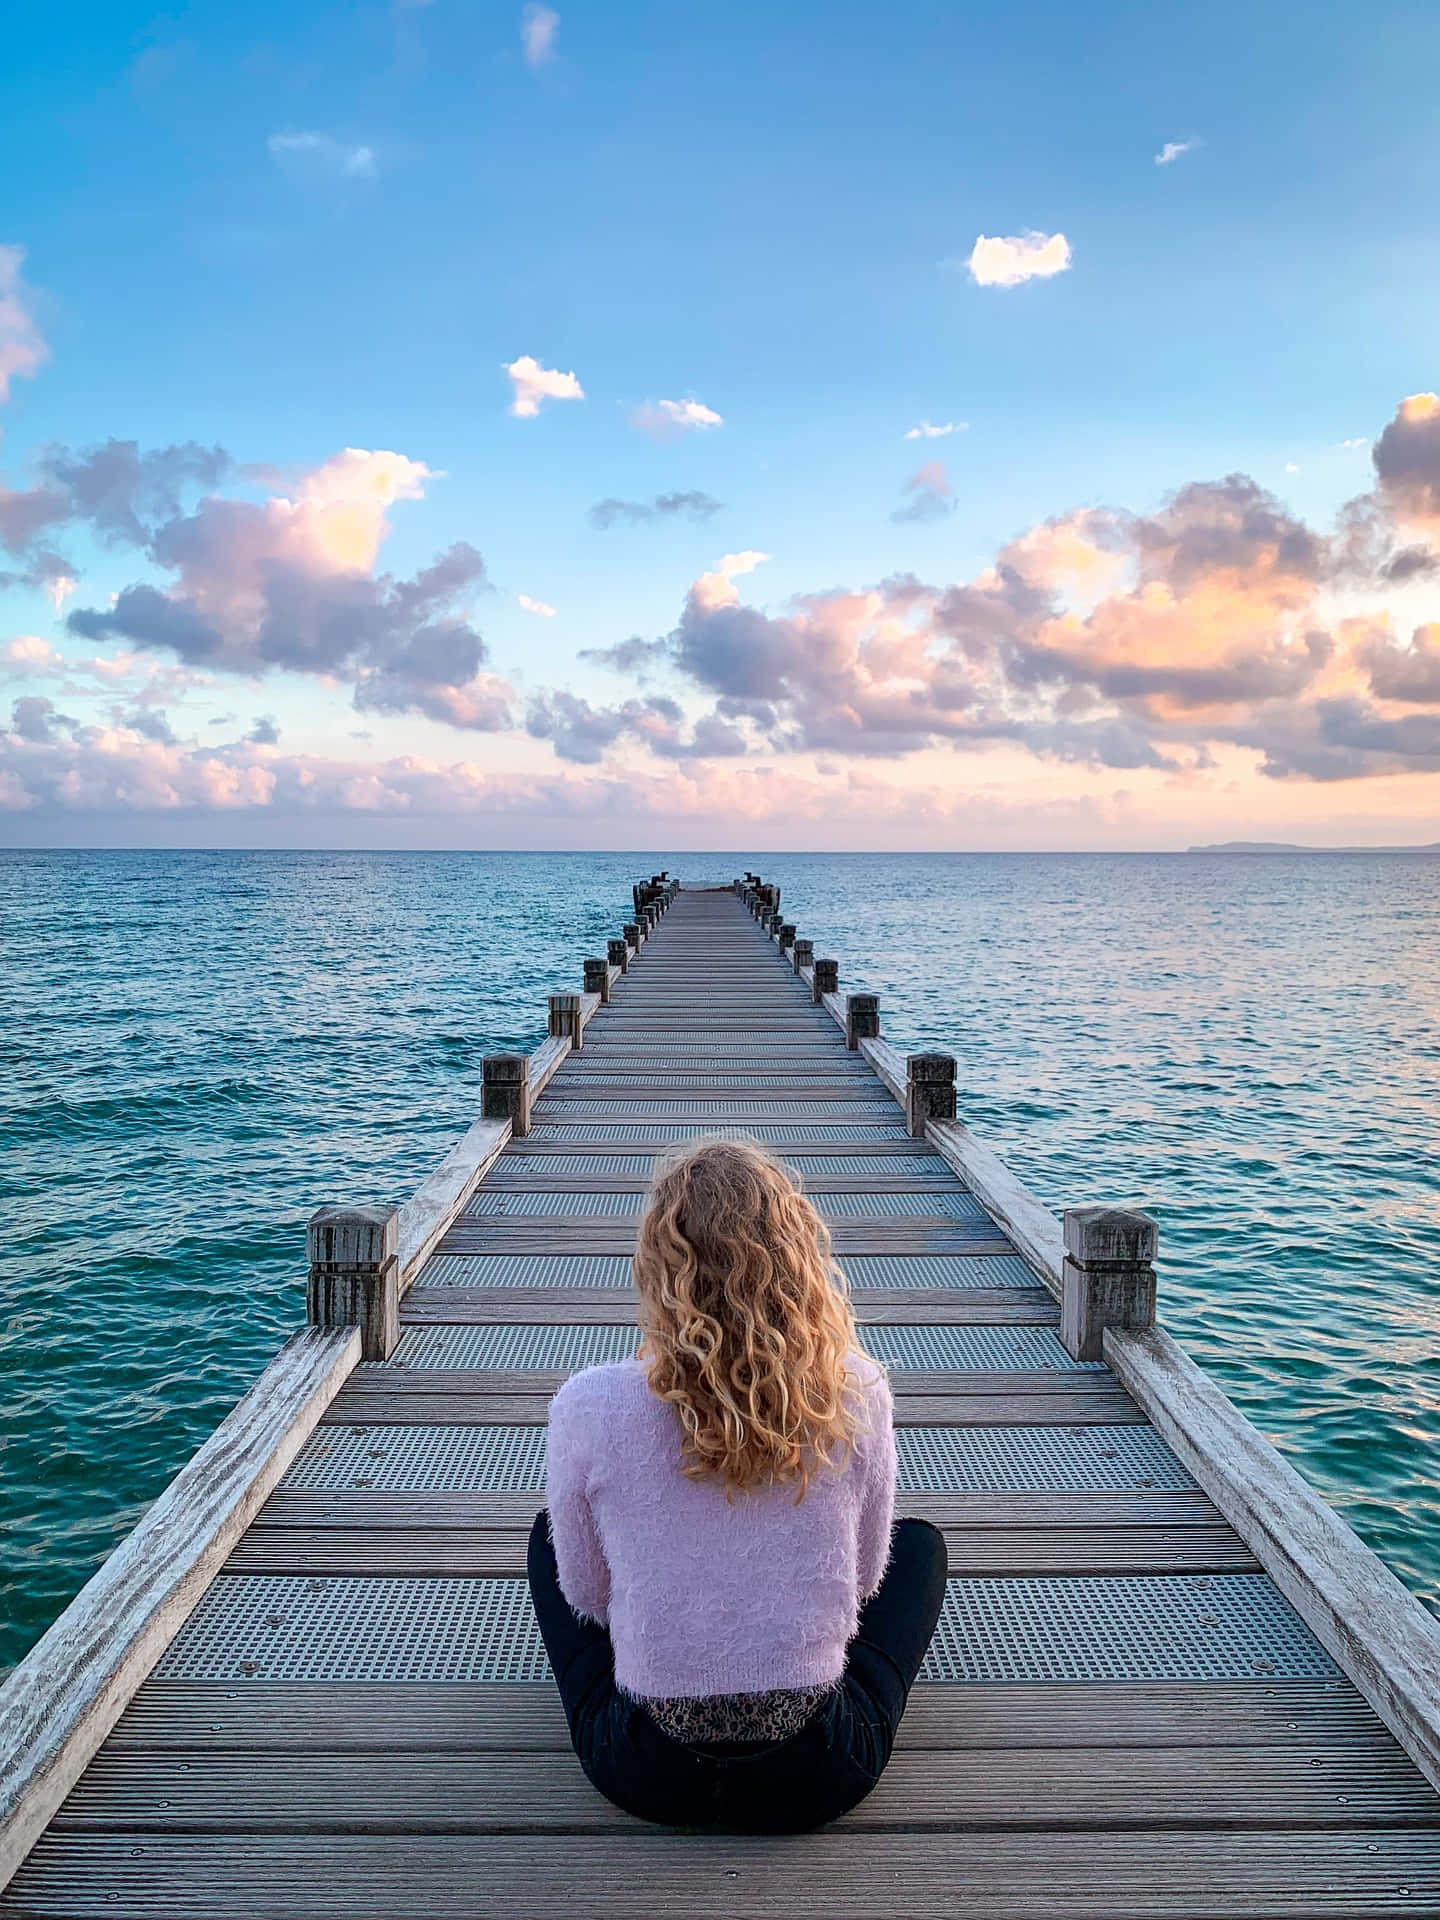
point(1257, 1791)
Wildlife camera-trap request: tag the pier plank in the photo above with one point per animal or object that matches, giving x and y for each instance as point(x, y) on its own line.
point(1300, 1874)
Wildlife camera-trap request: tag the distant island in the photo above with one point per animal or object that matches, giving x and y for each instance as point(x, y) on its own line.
point(1285, 846)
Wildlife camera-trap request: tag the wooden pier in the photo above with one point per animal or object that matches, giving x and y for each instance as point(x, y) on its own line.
point(1167, 1681)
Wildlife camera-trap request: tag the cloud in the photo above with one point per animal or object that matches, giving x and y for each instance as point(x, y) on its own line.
point(538, 27)
point(22, 351)
point(925, 431)
point(1098, 638)
point(1172, 150)
point(665, 506)
point(533, 383)
point(996, 262)
point(1407, 461)
point(635, 655)
point(28, 655)
point(289, 583)
point(264, 733)
point(539, 607)
point(666, 419)
point(1404, 673)
point(584, 733)
point(151, 724)
point(930, 497)
point(717, 588)
point(33, 718)
point(124, 493)
point(326, 154)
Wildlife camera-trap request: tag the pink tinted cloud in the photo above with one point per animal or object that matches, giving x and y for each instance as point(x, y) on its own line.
point(22, 351)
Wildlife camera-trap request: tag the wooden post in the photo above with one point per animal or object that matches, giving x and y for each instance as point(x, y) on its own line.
point(632, 935)
point(804, 954)
point(505, 1090)
point(597, 979)
point(619, 952)
point(355, 1274)
point(786, 936)
point(862, 1018)
point(565, 1019)
point(929, 1090)
point(825, 979)
point(1108, 1278)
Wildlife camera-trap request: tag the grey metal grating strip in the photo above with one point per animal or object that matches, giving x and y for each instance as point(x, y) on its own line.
point(871, 1206)
point(639, 1166)
point(540, 1348)
point(783, 1134)
point(495, 1459)
point(526, 1270)
point(1009, 1459)
point(861, 1086)
point(720, 1112)
point(863, 1270)
point(548, 1348)
point(511, 1206)
point(948, 1270)
point(286, 1627)
point(1134, 1627)
point(593, 1166)
point(395, 1458)
point(493, 1203)
point(879, 1166)
point(971, 1350)
point(268, 1627)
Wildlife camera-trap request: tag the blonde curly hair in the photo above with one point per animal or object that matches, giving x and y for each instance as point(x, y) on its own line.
point(746, 1318)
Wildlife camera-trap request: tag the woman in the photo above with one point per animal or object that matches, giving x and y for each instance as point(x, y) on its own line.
point(732, 1622)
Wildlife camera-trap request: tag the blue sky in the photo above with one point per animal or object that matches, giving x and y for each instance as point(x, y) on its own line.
point(292, 230)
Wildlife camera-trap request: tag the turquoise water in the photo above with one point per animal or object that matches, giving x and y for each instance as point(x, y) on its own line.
point(197, 1049)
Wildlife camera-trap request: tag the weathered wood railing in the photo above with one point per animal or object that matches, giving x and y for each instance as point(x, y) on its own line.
point(59, 1703)
point(1099, 1264)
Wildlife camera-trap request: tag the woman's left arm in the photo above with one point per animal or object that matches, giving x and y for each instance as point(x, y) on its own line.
point(579, 1556)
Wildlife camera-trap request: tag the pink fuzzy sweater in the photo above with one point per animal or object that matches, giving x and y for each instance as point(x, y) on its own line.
point(704, 1596)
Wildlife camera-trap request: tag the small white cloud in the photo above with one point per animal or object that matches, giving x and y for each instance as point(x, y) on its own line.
point(1172, 150)
point(716, 588)
point(667, 417)
point(59, 589)
point(1356, 445)
point(1005, 262)
point(534, 383)
point(535, 606)
point(1290, 467)
point(331, 155)
point(925, 431)
point(538, 27)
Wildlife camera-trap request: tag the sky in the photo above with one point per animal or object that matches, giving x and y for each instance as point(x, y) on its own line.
point(446, 424)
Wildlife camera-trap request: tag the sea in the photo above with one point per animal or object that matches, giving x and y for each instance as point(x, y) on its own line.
point(197, 1049)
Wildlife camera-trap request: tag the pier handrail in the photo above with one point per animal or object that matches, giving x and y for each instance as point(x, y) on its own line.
point(1364, 1615)
point(58, 1703)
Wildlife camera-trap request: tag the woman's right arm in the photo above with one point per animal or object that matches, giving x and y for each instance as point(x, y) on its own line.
point(579, 1556)
point(877, 1497)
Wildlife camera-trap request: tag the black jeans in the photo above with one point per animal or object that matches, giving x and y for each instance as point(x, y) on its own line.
point(814, 1776)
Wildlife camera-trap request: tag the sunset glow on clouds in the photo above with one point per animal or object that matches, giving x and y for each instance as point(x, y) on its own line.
point(296, 601)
